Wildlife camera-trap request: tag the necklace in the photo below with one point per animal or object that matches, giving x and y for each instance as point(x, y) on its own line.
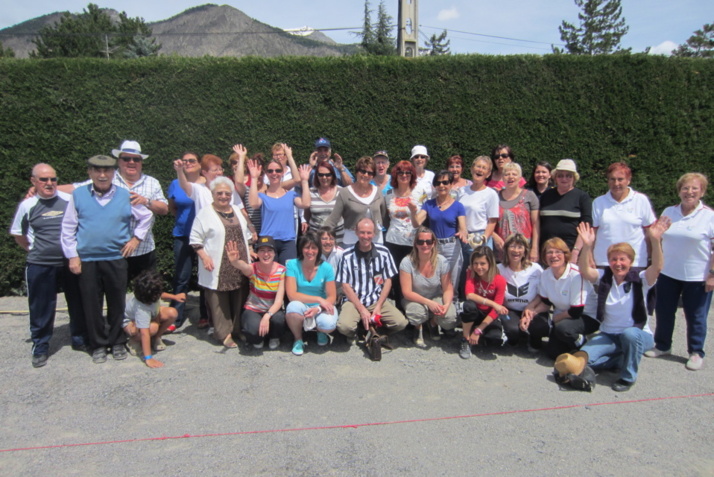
point(228, 216)
point(445, 203)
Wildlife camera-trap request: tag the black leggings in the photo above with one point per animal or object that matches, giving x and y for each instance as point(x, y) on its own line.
point(565, 333)
point(537, 330)
point(493, 333)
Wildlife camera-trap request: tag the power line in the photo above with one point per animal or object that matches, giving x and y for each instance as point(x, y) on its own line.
point(492, 36)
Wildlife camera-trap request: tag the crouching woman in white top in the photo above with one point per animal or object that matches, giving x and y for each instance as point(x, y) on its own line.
point(625, 303)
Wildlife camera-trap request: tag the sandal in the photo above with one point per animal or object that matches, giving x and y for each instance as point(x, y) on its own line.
point(229, 343)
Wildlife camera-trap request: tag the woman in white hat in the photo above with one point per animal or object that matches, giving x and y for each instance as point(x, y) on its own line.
point(564, 207)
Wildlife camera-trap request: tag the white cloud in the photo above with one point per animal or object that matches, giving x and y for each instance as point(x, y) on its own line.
point(664, 48)
point(448, 14)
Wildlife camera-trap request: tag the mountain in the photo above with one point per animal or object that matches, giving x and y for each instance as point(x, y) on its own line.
point(213, 30)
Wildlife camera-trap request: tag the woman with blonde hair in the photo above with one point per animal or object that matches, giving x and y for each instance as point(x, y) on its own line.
point(426, 285)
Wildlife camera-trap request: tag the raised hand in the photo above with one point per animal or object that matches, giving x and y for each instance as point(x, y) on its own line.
point(587, 233)
point(660, 227)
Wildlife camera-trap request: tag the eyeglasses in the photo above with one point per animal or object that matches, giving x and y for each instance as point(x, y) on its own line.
point(365, 172)
point(404, 173)
point(131, 159)
point(216, 171)
point(503, 156)
point(555, 252)
point(190, 161)
point(320, 174)
point(439, 183)
point(46, 179)
point(224, 193)
point(274, 171)
point(425, 242)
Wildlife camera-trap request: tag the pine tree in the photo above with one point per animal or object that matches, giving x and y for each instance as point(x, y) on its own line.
point(6, 52)
point(699, 45)
point(600, 31)
point(377, 37)
point(92, 33)
point(438, 45)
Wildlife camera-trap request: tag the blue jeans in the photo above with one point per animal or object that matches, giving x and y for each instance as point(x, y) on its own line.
point(623, 351)
point(285, 250)
point(695, 302)
point(42, 287)
point(184, 257)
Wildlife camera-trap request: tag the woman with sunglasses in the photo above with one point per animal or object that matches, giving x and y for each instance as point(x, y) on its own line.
point(426, 284)
point(360, 199)
point(447, 218)
point(400, 234)
point(500, 156)
point(277, 206)
point(323, 195)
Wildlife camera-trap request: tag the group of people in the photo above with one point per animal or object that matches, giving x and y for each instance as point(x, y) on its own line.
point(314, 247)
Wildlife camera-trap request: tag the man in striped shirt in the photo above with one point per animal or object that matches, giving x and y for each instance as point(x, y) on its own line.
point(366, 272)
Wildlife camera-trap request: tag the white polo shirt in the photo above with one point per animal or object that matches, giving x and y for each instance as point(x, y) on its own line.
point(521, 286)
point(618, 306)
point(622, 222)
point(480, 206)
point(568, 290)
point(687, 243)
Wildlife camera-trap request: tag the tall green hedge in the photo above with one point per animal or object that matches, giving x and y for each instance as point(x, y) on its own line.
point(654, 112)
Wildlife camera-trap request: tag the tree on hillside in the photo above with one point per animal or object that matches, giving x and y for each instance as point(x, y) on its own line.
point(438, 45)
point(92, 33)
point(699, 45)
point(600, 31)
point(377, 37)
point(6, 52)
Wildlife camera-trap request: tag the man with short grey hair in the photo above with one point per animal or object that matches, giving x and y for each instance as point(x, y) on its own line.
point(37, 229)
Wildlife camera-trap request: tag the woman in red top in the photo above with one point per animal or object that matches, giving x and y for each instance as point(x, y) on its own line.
point(485, 290)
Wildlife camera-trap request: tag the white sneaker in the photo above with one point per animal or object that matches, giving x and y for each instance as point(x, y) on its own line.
point(695, 362)
point(259, 345)
point(274, 343)
point(656, 353)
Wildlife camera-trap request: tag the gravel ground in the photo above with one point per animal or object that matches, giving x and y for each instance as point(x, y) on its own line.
point(212, 411)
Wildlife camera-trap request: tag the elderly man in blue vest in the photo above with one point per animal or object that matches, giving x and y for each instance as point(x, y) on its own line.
point(97, 236)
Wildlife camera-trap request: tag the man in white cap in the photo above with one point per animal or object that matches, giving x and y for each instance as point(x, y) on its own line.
point(144, 191)
point(97, 236)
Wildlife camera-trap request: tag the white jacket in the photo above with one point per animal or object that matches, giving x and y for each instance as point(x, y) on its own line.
point(208, 230)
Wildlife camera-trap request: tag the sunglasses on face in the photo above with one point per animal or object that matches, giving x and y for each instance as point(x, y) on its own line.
point(365, 172)
point(323, 175)
point(420, 157)
point(425, 242)
point(446, 182)
point(274, 171)
point(404, 173)
point(47, 179)
point(131, 159)
point(503, 156)
point(190, 161)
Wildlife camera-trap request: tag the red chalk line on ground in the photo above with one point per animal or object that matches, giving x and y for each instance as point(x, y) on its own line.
point(356, 426)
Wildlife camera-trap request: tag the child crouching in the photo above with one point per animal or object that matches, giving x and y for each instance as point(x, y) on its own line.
point(145, 320)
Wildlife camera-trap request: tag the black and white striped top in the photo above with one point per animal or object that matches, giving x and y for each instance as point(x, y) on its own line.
point(366, 272)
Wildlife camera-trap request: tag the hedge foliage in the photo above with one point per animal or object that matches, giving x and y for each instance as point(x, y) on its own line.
point(654, 112)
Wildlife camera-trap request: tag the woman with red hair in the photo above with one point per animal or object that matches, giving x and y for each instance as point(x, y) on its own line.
point(621, 215)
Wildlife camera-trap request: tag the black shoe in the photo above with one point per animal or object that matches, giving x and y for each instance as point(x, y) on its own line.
point(99, 356)
point(39, 360)
point(80, 347)
point(622, 386)
point(119, 352)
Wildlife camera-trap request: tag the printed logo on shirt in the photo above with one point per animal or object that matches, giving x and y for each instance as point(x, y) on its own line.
point(53, 213)
point(517, 291)
point(379, 279)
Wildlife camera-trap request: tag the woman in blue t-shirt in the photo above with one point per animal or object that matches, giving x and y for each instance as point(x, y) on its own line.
point(447, 218)
point(310, 284)
point(277, 205)
point(182, 207)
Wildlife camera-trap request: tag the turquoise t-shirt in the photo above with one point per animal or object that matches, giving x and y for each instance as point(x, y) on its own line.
point(316, 287)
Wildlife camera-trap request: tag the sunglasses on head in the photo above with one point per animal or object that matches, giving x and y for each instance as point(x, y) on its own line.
point(131, 159)
point(365, 172)
point(47, 179)
point(425, 242)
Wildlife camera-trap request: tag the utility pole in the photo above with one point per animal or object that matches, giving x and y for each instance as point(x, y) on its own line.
point(408, 33)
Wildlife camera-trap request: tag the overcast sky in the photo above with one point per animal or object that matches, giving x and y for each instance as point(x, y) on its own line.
point(660, 24)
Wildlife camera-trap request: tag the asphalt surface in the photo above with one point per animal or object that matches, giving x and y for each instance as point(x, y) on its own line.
point(212, 411)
